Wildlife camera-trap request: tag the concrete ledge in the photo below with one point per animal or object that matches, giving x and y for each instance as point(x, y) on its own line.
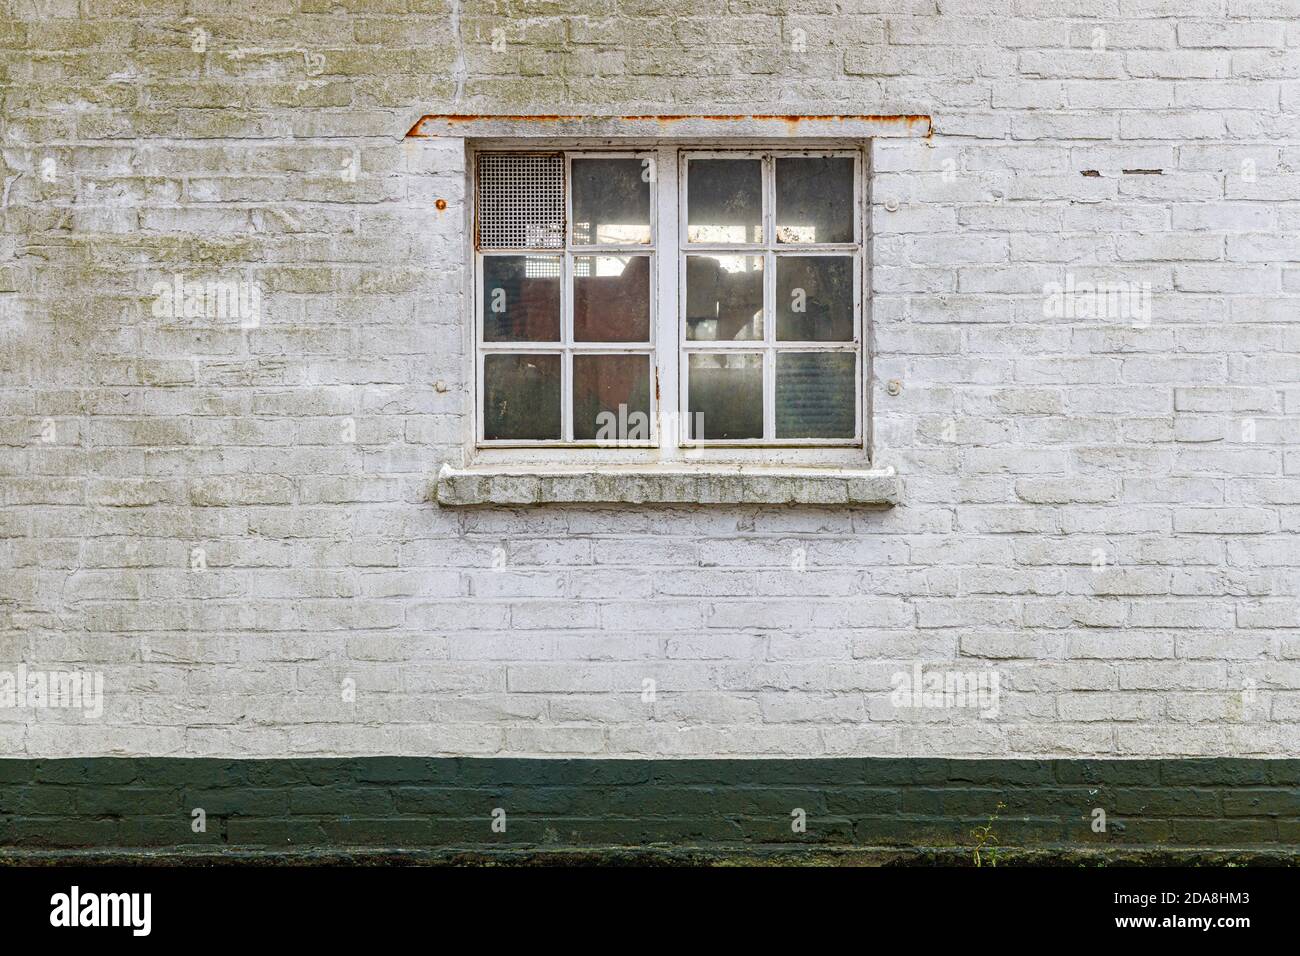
point(734, 486)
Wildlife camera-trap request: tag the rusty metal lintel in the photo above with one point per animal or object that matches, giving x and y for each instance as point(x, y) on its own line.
point(487, 125)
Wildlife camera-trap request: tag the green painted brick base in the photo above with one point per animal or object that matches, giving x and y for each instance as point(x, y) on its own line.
point(404, 802)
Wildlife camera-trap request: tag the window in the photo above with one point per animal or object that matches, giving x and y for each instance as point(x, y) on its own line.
point(669, 298)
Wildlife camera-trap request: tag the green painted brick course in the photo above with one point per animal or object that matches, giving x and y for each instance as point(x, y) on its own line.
point(1172, 801)
point(1254, 803)
point(1232, 771)
point(431, 802)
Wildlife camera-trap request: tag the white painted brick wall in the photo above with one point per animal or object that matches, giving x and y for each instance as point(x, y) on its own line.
point(1030, 444)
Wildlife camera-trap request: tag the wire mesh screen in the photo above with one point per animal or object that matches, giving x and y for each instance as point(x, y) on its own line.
point(520, 201)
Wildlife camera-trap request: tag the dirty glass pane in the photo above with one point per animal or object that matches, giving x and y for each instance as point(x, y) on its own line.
point(814, 199)
point(611, 298)
point(814, 298)
point(611, 398)
point(521, 396)
point(611, 200)
point(521, 299)
point(815, 394)
point(724, 298)
point(724, 200)
point(725, 396)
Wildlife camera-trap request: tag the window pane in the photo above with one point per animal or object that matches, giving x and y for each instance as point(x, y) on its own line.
point(521, 299)
point(725, 398)
point(815, 395)
point(520, 201)
point(814, 199)
point(724, 298)
point(521, 396)
point(611, 397)
point(814, 298)
point(611, 298)
point(611, 201)
point(724, 200)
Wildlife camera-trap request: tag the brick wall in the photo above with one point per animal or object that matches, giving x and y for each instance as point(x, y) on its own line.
point(232, 523)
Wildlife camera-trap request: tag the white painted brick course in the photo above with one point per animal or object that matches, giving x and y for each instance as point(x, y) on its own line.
point(1102, 509)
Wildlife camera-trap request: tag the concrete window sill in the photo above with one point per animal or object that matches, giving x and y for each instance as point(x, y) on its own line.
point(647, 485)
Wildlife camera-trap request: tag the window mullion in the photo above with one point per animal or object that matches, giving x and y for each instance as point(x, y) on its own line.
point(566, 340)
point(769, 298)
point(668, 355)
point(566, 307)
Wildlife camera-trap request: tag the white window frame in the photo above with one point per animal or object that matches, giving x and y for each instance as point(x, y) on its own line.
point(770, 250)
point(669, 349)
point(568, 347)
